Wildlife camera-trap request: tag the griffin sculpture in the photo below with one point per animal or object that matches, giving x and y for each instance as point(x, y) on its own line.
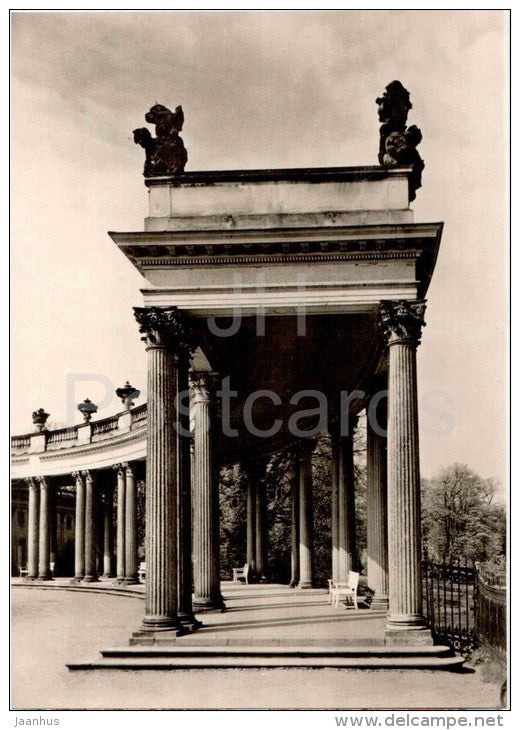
point(165, 153)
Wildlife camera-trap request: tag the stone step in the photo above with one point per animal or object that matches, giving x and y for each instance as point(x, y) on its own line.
point(276, 650)
point(251, 662)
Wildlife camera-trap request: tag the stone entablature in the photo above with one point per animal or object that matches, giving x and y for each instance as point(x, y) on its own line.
point(331, 240)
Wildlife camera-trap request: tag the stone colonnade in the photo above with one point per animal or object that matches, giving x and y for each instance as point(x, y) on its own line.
point(393, 497)
point(94, 541)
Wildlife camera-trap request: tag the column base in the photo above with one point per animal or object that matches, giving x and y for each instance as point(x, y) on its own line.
point(304, 585)
point(293, 584)
point(45, 577)
point(205, 605)
point(77, 579)
point(130, 581)
point(407, 631)
point(150, 637)
point(189, 622)
point(90, 579)
point(108, 575)
point(379, 603)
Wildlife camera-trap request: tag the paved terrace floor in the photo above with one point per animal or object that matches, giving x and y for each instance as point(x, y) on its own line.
point(53, 624)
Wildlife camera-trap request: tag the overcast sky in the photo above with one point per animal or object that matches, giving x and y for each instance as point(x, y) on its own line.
point(262, 89)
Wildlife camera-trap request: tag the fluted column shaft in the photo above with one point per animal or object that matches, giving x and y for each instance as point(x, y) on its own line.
point(90, 530)
point(79, 541)
point(251, 523)
point(405, 591)
point(44, 555)
point(295, 526)
point(261, 528)
point(33, 529)
point(120, 523)
point(206, 563)
point(403, 321)
point(334, 507)
point(161, 494)
point(108, 535)
point(306, 516)
point(53, 536)
point(377, 539)
point(184, 511)
point(169, 341)
point(130, 527)
point(347, 549)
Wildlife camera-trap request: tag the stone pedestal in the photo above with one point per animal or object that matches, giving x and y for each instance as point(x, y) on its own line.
point(44, 555)
point(402, 323)
point(306, 514)
point(33, 529)
point(206, 547)
point(90, 530)
point(79, 540)
point(130, 567)
point(120, 522)
point(166, 336)
point(377, 541)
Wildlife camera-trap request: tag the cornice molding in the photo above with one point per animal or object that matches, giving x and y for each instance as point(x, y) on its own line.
point(226, 259)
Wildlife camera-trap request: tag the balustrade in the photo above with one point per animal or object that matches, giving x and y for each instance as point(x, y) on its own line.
point(104, 428)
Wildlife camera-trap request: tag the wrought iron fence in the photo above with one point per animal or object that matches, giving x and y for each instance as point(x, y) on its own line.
point(449, 595)
point(491, 610)
point(465, 605)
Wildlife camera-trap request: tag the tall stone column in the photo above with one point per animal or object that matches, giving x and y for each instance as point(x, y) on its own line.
point(206, 562)
point(251, 518)
point(295, 524)
point(90, 529)
point(33, 528)
point(261, 524)
point(120, 522)
point(184, 511)
point(402, 322)
point(79, 540)
point(53, 533)
point(130, 569)
point(334, 526)
point(166, 336)
point(44, 546)
point(347, 547)
point(108, 533)
point(306, 514)
point(377, 538)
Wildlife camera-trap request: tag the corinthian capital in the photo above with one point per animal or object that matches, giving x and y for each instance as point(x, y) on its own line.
point(402, 321)
point(166, 327)
point(202, 385)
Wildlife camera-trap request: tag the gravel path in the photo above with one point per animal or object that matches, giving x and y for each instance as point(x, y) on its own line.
point(51, 627)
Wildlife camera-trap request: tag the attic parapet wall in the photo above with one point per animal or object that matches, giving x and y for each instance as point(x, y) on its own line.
point(282, 198)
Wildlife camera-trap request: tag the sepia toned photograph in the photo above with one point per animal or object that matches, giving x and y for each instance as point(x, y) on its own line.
point(259, 361)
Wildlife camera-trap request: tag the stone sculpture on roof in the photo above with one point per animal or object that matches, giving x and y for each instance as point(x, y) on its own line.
point(165, 153)
point(397, 142)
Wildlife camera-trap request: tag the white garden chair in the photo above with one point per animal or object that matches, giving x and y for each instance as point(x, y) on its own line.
point(346, 590)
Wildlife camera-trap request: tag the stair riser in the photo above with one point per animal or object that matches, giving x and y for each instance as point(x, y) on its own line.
point(448, 664)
